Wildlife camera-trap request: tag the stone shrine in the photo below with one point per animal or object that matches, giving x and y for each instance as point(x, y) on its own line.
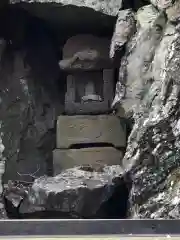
point(88, 134)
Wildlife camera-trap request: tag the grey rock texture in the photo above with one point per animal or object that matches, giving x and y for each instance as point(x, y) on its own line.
point(95, 157)
point(148, 91)
point(85, 52)
point(162, 4)
point(73, 192)
point(124, 29)
point(109, 7)
point(135, 73)
point(70, 17)
point(152, 155)
point(173, 12)
point(87, 129)
point(29, 107)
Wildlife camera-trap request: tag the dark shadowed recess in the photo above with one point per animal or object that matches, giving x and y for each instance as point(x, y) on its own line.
point(31, 26)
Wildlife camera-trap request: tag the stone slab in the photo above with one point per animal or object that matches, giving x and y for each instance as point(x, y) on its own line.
point(87, 129)
point(95, 157)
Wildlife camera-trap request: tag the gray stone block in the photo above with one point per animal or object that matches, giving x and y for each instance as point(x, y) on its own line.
point(95, 157)
point(86, 129)
point(72, 106)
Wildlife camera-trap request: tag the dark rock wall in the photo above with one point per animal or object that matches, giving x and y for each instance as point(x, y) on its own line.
point(30, 103)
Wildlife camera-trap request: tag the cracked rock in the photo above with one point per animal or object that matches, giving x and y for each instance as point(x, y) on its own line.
point(73, 192)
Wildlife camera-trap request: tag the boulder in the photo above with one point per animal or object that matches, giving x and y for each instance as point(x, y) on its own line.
point(73, 192)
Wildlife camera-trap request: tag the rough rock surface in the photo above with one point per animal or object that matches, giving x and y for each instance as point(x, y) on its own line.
point(148, 90)
point(153, 150)
point(73, 192)
point(135, 74)
point(28, 110)
point(70, 17)
point(109, 7)
point(162, 4)
point(124, 29)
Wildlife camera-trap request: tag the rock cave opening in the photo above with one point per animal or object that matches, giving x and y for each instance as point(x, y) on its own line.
point(38, 43)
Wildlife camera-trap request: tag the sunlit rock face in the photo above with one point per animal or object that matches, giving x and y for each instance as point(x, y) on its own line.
point(148, 91)
point(153, 147)
point(135, 73)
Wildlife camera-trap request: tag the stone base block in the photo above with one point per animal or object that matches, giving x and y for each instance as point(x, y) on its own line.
point(87, 129)
point(95, 157)
point(87, 108)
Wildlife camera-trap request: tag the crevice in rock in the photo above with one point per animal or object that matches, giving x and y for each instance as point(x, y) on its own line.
point(90, 145)
point(134, 4)
point(117, 206)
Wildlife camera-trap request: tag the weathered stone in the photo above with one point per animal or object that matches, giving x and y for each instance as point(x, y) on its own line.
point(76, 192)
point(85, 52)
point(173, 12)
point(94, 157)
point(152, 155)
point(86, 43)
point(165, 204)
point(85, 60)
point(13, 196)
point(162, 4)
point(73, 130)
point(147, 16)
point(109, 7)
point(135, 74)
point(87, 63)
point(67, 18)
point(76, 90)
point(29, 106)
point(124, 29)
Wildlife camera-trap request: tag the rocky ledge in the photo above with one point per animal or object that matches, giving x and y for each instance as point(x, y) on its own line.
point(80, 192)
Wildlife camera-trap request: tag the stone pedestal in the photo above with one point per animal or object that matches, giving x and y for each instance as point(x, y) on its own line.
point(96, 157)
point(88, 140)
point(87, 129)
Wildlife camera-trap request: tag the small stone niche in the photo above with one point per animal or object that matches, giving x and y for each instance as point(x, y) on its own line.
point(90, 75)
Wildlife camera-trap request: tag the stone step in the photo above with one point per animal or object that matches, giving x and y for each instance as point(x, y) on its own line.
point(85, 129)
point(96, 157)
